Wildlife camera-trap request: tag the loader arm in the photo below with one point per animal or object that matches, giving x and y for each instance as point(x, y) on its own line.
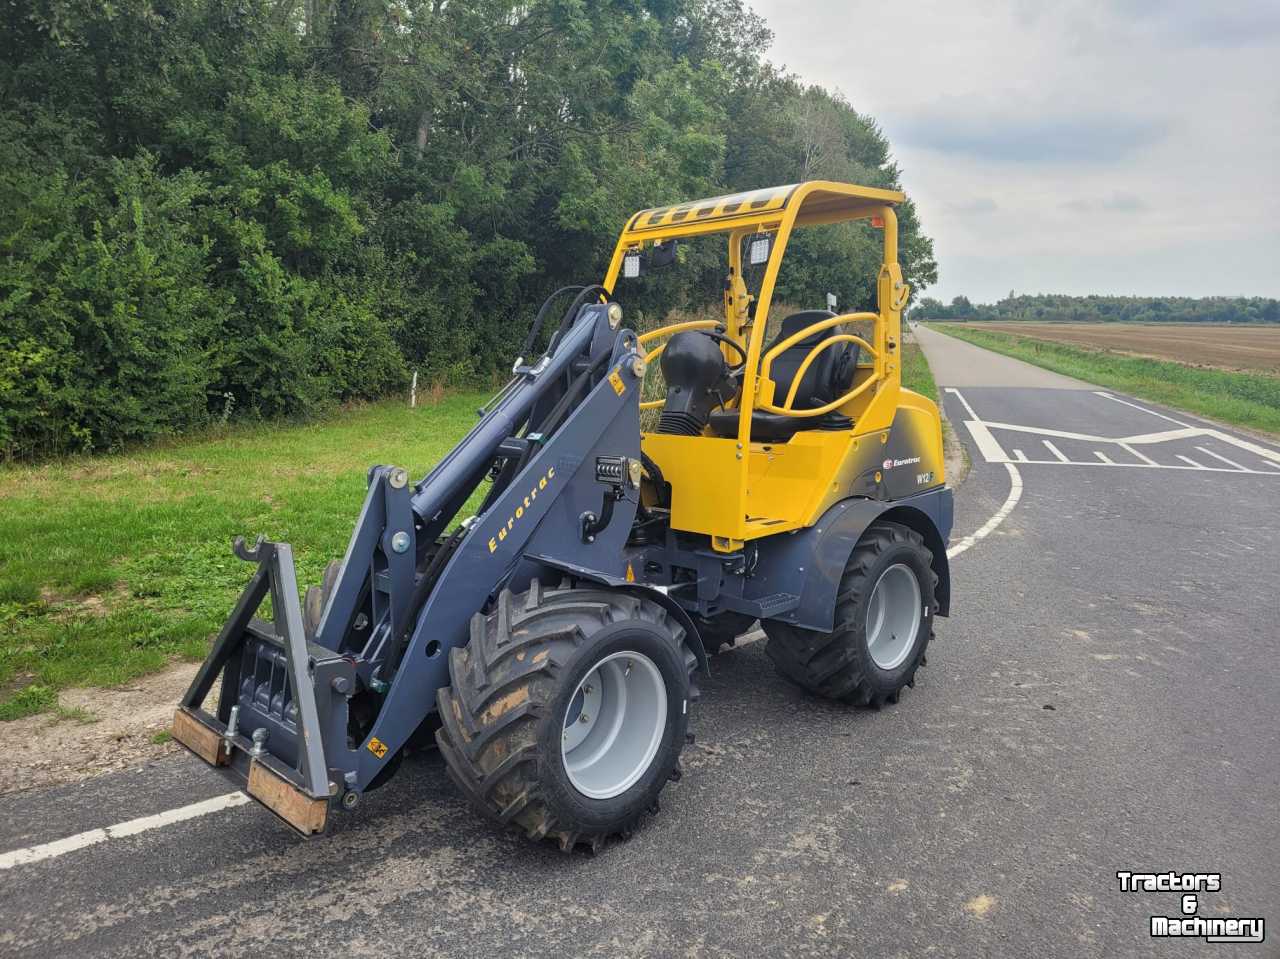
point(305, 719)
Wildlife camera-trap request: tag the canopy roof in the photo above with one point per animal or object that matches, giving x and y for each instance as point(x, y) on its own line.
point(816, 201)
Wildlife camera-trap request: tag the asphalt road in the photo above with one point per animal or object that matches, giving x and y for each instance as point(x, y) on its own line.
point(1103, 698)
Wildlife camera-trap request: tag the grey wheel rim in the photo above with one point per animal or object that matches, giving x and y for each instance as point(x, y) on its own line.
point(893, 616)
point(613, 725)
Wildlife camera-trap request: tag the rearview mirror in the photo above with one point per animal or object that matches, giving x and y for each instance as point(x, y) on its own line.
point(662, 254)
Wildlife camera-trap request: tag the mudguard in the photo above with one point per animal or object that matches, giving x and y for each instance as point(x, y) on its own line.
point(810, 562)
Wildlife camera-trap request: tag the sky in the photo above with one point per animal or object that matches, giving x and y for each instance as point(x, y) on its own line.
point(1078, 146)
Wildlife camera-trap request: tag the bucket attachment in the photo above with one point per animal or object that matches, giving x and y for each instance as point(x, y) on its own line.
point(277, 699)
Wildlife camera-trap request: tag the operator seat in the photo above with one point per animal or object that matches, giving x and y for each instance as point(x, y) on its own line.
point(828, 377)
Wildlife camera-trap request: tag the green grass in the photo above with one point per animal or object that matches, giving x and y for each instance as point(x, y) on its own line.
point(916, 374)
point(111, 566)
point(1251, 400)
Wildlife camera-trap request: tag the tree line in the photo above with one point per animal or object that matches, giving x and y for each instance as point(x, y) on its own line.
point(1058, 308)
point(222, 209)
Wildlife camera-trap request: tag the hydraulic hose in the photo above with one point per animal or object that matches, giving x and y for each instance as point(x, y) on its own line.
point(531, 340)
point(571, 314)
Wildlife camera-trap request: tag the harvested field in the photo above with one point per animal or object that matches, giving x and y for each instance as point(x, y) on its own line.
point(1249, 348)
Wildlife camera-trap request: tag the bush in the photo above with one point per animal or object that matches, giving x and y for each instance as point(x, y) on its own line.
point(263, 208)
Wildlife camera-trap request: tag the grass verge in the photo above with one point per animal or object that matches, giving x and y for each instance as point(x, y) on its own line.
point(111, 566)
point(916, 375)
point(1251, 400)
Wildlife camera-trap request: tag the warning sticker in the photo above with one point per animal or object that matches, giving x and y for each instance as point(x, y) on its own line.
point(377, 747)
point(616, 382)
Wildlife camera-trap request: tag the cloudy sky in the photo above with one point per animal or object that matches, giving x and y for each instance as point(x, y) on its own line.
point(1078, 146)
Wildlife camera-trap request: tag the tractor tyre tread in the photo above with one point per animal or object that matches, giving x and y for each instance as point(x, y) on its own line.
point(504, 684)
point(836, 665)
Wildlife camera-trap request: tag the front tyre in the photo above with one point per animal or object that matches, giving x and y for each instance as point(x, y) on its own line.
point(567, 711)
point(883, 623)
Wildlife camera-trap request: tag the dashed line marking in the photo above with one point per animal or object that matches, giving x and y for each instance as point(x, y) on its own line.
point(1220, 457)
point(60, 847)
point(1056, 452)
point(1146, 459)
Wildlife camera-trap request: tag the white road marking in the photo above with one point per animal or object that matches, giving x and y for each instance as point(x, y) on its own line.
point(60, 847)
point(1262, 451)
point(1270, 465)
point(984, 437)
point(1056, 452)
point(964, 402)
point(1146, 459)
point(1141, 438)
point(1015, 494)
point(1150, 466)
point(1117, 399)
point(1218, 457)
point(992, 451)
point(981, 435)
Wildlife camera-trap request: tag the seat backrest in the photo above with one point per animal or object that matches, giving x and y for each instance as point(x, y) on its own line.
point(828, 377)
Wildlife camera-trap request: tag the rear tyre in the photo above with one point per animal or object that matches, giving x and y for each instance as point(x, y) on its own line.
point(884, 621)
point(567, 711)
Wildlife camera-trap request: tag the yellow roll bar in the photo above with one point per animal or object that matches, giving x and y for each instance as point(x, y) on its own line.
point(813, 355)
point(779, 211)
point(671, 330)
point(766, 364)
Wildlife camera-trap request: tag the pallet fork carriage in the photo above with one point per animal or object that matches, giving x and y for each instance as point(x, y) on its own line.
point(550, 641)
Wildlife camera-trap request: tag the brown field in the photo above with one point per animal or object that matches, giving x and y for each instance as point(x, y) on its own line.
point(1248, 348)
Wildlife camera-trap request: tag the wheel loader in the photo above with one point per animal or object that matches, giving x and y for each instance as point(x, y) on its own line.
point(550, 641)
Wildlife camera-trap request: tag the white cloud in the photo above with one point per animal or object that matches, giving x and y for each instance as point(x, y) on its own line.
point(1130, 146)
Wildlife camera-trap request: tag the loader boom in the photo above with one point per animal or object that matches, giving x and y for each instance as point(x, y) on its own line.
point(372, 642)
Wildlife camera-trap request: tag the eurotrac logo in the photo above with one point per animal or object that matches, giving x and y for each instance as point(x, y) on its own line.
point(891, 463)
point(521, 508)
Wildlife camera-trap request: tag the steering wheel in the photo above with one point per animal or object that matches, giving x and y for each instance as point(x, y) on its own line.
point(725, 341)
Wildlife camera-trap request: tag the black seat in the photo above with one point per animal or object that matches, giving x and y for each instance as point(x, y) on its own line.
point(828, 377)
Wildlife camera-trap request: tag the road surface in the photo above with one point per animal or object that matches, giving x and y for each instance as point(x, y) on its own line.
point(1103, 698)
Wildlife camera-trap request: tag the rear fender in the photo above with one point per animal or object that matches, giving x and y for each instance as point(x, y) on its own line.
point(812, 561)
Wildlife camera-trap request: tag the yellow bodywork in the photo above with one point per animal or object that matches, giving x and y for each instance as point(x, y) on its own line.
point(735, 490)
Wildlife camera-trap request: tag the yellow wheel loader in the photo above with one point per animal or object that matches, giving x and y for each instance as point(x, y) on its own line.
point(550, 638)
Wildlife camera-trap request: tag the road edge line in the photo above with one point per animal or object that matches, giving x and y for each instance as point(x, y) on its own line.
point(989, 527)
point(91, 837)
